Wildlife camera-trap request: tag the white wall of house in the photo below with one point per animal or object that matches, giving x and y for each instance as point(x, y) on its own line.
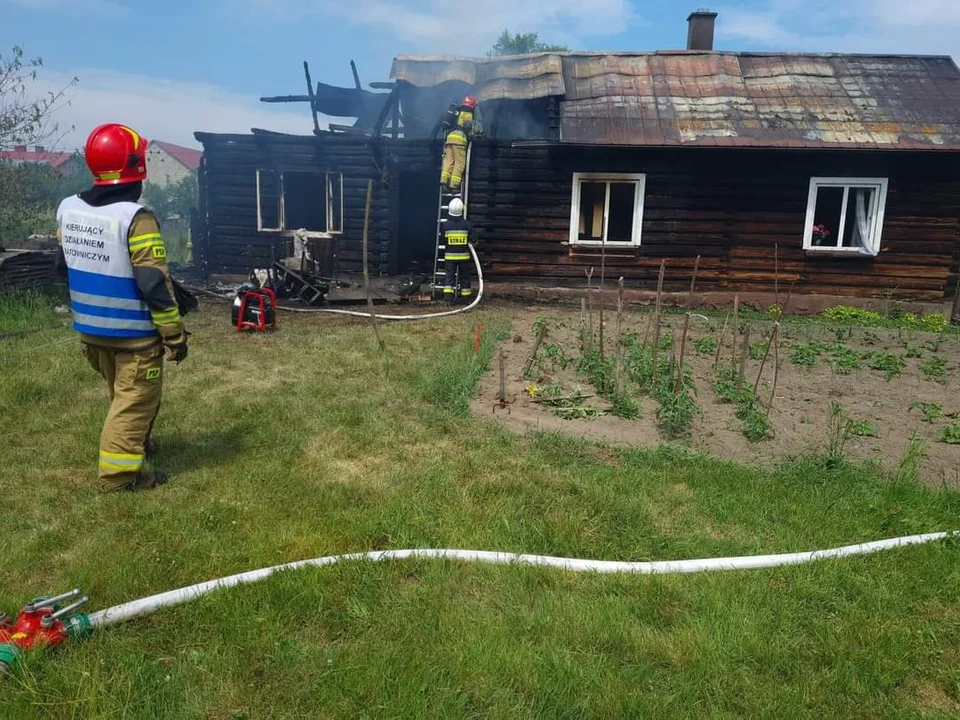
point(163, 169)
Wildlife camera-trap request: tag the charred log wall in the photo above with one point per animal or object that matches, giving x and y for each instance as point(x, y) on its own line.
point(229, 239)
point(729, 206)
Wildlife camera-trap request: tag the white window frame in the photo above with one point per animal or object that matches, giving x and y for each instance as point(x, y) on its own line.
point(331, 178)
point(878, 211)
point(640, 190)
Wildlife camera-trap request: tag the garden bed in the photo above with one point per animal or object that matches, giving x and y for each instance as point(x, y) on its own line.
point(874, 394)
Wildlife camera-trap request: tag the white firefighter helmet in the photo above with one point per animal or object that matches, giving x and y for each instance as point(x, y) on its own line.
point(456, 208)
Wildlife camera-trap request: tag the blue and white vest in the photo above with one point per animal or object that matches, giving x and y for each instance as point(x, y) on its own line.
point(104, 297)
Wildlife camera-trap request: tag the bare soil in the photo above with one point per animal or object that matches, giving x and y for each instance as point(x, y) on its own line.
point(800, 412)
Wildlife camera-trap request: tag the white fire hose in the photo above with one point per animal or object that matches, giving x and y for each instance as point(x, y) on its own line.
point(424, 316)
point(145, 606)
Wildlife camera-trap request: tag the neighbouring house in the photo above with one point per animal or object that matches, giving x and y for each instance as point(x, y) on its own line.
point(168, 164)
point(67, 164)
point(832, 174)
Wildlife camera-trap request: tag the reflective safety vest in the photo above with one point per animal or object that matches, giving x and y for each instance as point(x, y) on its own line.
point(456, 235)
point(104, 297)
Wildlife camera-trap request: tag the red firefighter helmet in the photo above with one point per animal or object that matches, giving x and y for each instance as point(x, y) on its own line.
point(116, 154)
point(470, 102)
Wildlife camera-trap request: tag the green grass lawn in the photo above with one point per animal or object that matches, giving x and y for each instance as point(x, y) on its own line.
point(310, 442)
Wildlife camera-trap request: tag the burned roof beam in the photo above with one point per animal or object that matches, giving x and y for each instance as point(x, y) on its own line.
point(313, 100)
point(356, 75)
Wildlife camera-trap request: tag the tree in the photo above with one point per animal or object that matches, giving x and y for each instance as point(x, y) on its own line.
point(172, 201)
point(522, 44)
point(26, 117)
point(29, 195)
point(172, 205)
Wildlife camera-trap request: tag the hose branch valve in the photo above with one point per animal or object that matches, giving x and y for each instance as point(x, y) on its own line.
point(42, 623)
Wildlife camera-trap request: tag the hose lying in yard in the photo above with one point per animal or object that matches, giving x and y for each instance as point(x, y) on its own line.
point(145, 606)
point(424, 316)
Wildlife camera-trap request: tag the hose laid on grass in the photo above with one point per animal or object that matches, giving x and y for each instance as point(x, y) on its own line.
point(136, 608)
point(424, 316)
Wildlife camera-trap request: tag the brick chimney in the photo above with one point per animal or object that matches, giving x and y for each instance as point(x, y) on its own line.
point(40, 148)
point(700, 29)
point(20, 148)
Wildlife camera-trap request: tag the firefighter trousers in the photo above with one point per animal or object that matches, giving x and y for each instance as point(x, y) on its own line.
point(454, 164)
point(134, 384)
point(450, 278)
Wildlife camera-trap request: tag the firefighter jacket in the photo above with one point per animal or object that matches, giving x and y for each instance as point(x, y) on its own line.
point(121, 295)
point(456, 235)
point(465, 128)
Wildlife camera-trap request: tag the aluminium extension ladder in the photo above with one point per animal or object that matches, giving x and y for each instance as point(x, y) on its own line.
point(443, 206)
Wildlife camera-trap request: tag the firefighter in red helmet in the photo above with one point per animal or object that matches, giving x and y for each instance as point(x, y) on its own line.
point(122, 300)
point(462, 124)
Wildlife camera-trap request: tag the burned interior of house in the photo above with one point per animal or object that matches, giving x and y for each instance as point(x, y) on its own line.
point(830, 174)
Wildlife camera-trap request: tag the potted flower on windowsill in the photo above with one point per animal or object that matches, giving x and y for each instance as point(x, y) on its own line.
point(821, 235)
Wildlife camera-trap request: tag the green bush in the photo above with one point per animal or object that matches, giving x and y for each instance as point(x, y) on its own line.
point(934, 322)
point(950, 434)
point(705, 345)
point(936, 369)
point(864, 428)
point(852, 316)
point(889, 363)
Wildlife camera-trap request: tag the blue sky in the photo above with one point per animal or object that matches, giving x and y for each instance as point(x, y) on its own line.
point(169, 67)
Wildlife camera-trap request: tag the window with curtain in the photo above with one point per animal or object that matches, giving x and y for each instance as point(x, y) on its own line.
point(845, 215)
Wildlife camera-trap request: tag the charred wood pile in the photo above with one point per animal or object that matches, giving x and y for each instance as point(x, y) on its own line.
point(24, 268)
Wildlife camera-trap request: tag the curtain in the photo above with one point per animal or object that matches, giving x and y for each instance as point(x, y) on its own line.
point(863, 219)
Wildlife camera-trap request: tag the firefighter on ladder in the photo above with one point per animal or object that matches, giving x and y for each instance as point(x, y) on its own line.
point(462, 125)
point(122, 300)
point(456, 256)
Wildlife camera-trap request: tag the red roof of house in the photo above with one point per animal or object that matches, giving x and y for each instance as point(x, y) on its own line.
point(187, 157)
point(38, 155)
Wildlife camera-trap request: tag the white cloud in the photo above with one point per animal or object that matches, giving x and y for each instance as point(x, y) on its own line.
point(929, 27)
point(99, 7)
point(164, 109)
point(463, 28)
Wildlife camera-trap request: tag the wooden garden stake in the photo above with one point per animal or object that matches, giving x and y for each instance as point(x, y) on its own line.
point(663, 266)
point(736, 328)
point(589, 274)
point(773, 338)
point(776, 372)
point(673, 361)
point(683, 351)
point(366, 265)
point(776, 273)
point(656, 345)
point(693, 282)
point(541, 334)
point(743, 358)
point(583, 325)
point(723, 334)
point(603, 270)
point(618, 348)
point(646, 333)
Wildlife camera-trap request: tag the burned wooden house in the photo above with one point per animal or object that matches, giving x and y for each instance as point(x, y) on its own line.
point(836, 174)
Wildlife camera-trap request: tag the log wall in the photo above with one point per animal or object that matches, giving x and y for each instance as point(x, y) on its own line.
point(730, 206)
point(230, 240)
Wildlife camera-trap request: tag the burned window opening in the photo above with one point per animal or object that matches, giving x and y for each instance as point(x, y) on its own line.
point(293, 200)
